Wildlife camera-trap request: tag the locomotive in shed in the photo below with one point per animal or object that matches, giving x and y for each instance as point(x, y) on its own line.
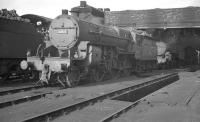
point(77, 49)
point(17, 34)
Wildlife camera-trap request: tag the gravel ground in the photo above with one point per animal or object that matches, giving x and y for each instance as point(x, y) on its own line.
point(178, 102)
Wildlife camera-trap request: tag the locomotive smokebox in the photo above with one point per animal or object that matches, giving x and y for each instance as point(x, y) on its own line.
point(83, 4)
point(64, 12)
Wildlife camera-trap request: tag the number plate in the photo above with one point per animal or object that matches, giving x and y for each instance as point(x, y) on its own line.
point(63, 31)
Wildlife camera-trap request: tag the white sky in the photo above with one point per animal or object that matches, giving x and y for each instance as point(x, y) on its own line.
point(52, 8)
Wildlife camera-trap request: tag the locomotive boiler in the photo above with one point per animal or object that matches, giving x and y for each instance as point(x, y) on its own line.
point(77, 49)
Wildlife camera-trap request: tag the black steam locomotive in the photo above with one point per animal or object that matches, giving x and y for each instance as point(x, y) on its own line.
point(80, 49)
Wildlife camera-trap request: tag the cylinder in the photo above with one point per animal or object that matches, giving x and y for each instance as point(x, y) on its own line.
point(64, 12)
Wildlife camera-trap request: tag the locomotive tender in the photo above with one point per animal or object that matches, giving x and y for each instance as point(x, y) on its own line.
point(16, 37)
point(78, 49)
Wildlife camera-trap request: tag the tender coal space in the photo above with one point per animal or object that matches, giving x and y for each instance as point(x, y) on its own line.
point(139, 93)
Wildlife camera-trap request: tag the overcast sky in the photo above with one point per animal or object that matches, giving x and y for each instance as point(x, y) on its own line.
point(52, 8)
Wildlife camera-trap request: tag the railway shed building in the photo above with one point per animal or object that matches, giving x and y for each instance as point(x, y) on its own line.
point(179, 28)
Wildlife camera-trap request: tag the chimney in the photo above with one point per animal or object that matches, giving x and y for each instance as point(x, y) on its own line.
point(83, 4)
point(106, 9)
point(64, 12)
point(100, 9)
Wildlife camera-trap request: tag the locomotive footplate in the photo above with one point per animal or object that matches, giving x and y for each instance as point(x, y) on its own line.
point(55, 68)
point(56, 64)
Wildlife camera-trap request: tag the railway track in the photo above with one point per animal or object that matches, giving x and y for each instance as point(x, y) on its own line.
point(63, 111)
point(24, 88)
point(23, 94)
point(21, 89)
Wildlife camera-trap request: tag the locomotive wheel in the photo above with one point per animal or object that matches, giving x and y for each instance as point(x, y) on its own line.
point(35, 75)
point(126, 72)
point(4, 78)
point(62, 79)
point(26, 77)
point(115, 74)
point(71, 79)
point(97, 75)
point(32, 75)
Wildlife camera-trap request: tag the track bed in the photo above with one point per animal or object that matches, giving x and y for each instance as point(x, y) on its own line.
point(96, 112)
point(61, 98)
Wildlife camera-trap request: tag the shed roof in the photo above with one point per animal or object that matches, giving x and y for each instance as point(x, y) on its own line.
point(188, 17)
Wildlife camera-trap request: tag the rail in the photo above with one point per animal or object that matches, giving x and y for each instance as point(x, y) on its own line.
point(16, 90)
point(22, 89)
point(77, 106)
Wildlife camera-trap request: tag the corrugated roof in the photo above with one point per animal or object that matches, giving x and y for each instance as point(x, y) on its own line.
point(156, 18)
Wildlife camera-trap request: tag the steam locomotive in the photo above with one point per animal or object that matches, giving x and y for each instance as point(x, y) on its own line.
point(77, 49)
point(17, 34)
